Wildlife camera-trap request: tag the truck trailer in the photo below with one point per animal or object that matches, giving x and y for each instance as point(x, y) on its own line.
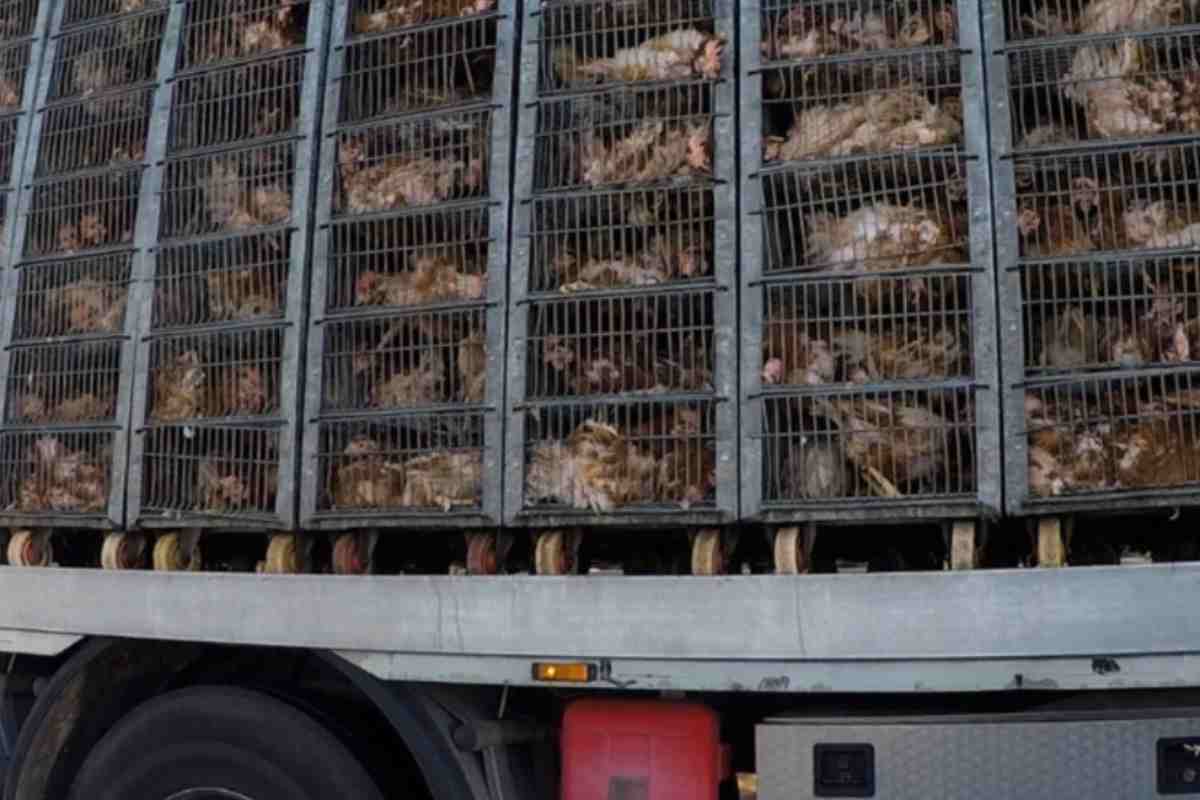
point(599, 400)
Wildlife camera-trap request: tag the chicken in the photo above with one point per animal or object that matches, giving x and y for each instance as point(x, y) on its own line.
point(471, 364)
point(179, 389)
point(93, 71)
point(906, 236)
point(632, 363)
point(813, 470)
point(1160, 225)
point(687, 474)
point(442, 480)
point(1154, 453)
point(894, 444)
point(435, 278)
point(1116, 16)
point(915, 353)
point(366, 479)
point(1064, 457)
point(895, 120)
point(246, 35)
point(596, 469)
point(223, 487)
point(234, 205)
point(680, 55)
point(1120, 102)
point(235, 294)
point(10, 96)
point(63, 480)
point(238, 392)
point(806, 31)
point(89, 232)
point(651, 151)
point(401, 13)
point(86, 306)
point(87, 407)
point(1071, 339)
point(666, 258)
point(1060, 228)
point(792, 357)
point(425, 384)
point(405, 180)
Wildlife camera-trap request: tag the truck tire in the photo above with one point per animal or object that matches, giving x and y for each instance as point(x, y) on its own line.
point(234, 743)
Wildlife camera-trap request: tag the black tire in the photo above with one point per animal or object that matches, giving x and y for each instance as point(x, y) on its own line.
point(244, 742)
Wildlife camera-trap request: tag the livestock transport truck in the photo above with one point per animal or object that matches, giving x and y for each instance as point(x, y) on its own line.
point(617, 400)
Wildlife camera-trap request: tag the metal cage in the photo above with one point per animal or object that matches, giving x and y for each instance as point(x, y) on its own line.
point(1095, 170)
point(85, 12)
point(621, 377)
point(216, 401)
point(868, 375)
point(406, 343)
point(72, 294)
point(20, 19)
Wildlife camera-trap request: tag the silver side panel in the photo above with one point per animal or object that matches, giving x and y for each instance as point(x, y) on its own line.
point(1114, 759)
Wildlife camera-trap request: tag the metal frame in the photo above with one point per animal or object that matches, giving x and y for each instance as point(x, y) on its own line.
point(723, 288)
point(497, 205)
point(114, 515)
point(983, 384)
point(1019, 501)
point(299, 229)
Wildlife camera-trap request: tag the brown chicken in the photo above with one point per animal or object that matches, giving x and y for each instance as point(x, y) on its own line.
point(915, 354)
point(238, 392)
point(442, 480)
point(806, 32)
point(616, 365)
point(223, 487)
point(1063, 458)
point(666, 258)
point(471, 364)
point(894, 444)
point(792, 357)
point(424, 384)
point(1121, 101)
point(235, 205)
point(242, 294)
point(63, 479)
point(652, 151)
point(246, 35)
point(401, 13)
point(680, 55)
point(405, 180)
point(1061, 228)
point(10, 97)
point(89, 232)
point(1116, 16)
point(365, 479)
point(894, 120)
point(814, 470)
point(94, 72)
point(596, 469)
point(86, 407)
point(435, 278)
point(86, 306)
point(179, 389)
point(1155, 453)
point(1160, 225)
point(1071, 339)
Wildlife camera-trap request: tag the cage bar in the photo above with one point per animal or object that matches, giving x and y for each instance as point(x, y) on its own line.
point(1029, 20)
point(228, 192)
point(71, 215)
point(251, 101)
point(1109, 89)
point(444, 65)
point(437, 158)
point(107, 56)
point(867, 303)
point(211, 475)
point(58, 477)
point(229, 280)
point(583, 46)
point(216, 31)
point(18, 19)
point(95, 133)
point(366, 17)
point(73, 297)
point(82, 12)
point(407, 336)
point(14, 65)
point(791, 30)
point(625, 136)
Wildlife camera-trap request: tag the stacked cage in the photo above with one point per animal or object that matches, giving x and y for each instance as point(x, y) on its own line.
point(621, 378)
point(22, 35)
point(71, 296)
point(868, 349)
point(1097, 174)
point(216, 401)
point(406, 341)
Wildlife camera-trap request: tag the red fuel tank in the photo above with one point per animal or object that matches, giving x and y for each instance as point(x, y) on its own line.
point(641, 750)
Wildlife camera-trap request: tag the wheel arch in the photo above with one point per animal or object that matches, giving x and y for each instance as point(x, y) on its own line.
point(102, 679)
